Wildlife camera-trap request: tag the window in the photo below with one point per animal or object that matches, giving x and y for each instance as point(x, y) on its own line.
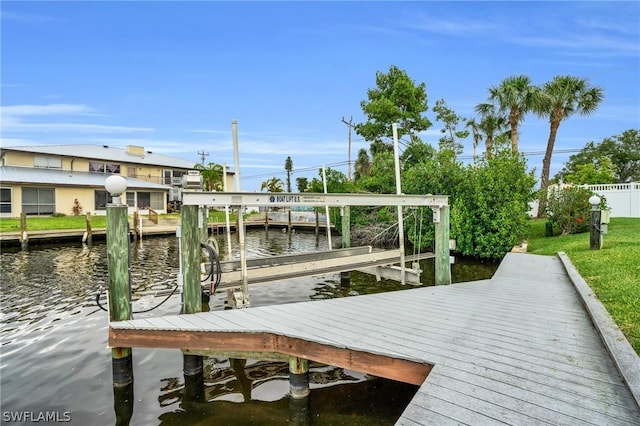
point(38, 201)
point(131, 199)
point(101, 199)
point(157, 200)
point(144, 200)
point(42, 162)
point(100, 167)
point(131, 172)
point(5, 201)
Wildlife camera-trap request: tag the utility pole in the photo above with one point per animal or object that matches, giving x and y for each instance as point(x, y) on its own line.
point(202, 154)
point(350, 126)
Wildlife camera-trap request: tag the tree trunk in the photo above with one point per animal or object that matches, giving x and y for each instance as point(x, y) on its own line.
point(489, 145)
point(513, 121)
point(546, 165)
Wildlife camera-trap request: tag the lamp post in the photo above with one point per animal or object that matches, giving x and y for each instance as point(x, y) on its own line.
point(595, 238)
point(118, 274)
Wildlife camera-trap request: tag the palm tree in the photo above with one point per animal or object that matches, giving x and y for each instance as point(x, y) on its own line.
point(288, 166)
point(362, 165)
point(562, 97)
point(515, 96)
point(491, 124)
point(273, 184)
point(477, 136)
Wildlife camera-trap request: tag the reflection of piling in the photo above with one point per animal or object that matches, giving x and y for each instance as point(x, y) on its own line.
point(87, 237)
point(299, 412)
point(194, 387)
point(119, 287)
point(298, 377)
point(24, 236)
point(123, 404)
point(345, 277)
point(192, 291)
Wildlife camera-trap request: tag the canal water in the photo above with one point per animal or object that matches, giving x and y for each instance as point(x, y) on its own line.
point(55, 363)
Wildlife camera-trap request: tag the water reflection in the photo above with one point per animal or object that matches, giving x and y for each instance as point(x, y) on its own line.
point(54, 337)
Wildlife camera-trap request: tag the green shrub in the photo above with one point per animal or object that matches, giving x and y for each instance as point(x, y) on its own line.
point(568, 208)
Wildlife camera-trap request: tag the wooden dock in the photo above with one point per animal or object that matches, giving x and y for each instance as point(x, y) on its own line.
point(520, 348)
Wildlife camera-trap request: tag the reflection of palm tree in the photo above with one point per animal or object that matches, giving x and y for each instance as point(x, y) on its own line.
point(273, 184)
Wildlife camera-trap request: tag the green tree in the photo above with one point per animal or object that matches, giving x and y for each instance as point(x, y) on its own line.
point(451, 134)
point(600, 171)
point(211, 176)
point(562, 97)
point(477, 136)
point(396, 99)
point(302, 183)
point(273, 184)
point(362, 165)
point(623, 151)
point(288, 166)
point(515, 96)
point(491, 124)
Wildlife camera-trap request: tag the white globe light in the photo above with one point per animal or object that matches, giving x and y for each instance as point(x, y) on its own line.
point(115, 185)
point(594, 200)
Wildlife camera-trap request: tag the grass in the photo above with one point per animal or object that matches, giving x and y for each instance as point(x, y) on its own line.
point(613, 273)
point(50, 223)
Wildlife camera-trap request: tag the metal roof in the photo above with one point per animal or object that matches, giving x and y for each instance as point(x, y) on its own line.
point(29, 175)
point(107, 153)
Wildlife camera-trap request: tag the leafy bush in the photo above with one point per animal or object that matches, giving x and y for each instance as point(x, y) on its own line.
point(491, 216)
point(568, 208)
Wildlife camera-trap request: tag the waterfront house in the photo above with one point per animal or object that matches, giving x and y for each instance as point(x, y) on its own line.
point(43, 180)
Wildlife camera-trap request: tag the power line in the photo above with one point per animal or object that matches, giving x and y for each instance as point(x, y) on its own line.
point(202, 154)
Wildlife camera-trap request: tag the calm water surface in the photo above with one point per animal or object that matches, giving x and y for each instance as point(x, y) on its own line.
point(54, 358)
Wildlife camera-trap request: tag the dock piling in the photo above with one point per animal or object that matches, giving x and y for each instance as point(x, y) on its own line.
point(24, 235)
point(192, 291)
point(345, 277)
point(442, 263)
point(119, 286)
point(298, 377)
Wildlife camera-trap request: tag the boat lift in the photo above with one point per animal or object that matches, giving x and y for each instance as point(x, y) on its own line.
point(334, 260)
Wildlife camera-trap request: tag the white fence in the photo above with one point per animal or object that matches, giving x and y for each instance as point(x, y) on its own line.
point(622, 198)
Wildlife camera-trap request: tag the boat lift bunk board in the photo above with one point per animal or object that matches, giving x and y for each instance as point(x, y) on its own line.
point(359, 258)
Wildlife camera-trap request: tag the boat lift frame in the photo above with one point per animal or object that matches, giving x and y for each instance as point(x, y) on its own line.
point(438, 203)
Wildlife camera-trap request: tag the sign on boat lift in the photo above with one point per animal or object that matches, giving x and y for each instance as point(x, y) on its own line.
point(365, 259)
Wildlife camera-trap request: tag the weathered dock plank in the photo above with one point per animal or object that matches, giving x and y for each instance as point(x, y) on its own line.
point(516, 349)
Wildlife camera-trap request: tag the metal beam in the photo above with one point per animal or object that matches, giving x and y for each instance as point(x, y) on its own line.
point(265, 199)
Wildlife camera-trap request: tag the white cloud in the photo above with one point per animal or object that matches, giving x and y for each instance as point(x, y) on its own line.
point(50, 109)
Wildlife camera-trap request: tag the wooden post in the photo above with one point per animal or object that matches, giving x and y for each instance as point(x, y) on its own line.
point(442, 264)
point(24, 235)
point(345, 277)
point(266, 219)
point(298, 377)
point(119, 287)
point(204, 229)
point(191, 290)
point(595, 237)
point(289, 221)
point(88, 237)
point(123, 404)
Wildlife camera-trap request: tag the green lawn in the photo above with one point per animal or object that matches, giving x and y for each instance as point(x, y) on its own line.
point(35, 223)
point(612, 272)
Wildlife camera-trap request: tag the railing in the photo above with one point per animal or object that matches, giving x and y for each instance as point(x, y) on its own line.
point(153, 215)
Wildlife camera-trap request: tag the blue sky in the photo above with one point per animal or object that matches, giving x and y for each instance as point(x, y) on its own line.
point(170, 76)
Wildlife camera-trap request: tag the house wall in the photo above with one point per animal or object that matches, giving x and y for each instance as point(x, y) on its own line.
point(65, 197)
